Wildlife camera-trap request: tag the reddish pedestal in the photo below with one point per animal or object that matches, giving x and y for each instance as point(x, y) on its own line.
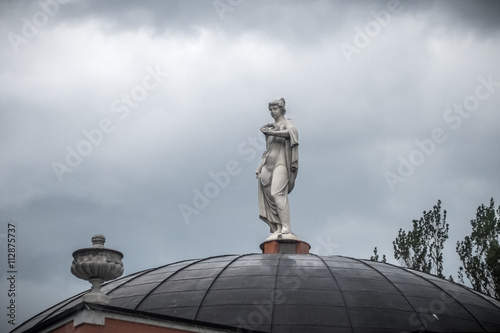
point(285, 246)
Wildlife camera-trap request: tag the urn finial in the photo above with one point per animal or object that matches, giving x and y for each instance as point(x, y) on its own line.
point(98, 240)
point(97, 264)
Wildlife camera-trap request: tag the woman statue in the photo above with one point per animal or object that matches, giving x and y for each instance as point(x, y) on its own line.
point(278, 169)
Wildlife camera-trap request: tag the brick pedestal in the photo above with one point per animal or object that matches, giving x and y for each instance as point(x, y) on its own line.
point(285, 246)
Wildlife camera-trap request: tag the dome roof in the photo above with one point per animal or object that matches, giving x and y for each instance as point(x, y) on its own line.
point(299, 293)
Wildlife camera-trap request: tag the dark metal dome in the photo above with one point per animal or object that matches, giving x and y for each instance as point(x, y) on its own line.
point(299, 293)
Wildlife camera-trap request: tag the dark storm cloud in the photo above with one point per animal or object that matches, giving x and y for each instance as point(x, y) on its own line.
point(479, 16)
point(355, 119)
point(119, 16)
point(292, 21)
point(304, 19)
point(287, 19)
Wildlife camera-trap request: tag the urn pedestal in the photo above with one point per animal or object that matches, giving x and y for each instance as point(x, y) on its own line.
point(97, 264)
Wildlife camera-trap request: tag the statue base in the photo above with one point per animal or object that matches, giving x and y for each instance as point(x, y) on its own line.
point(284, 244)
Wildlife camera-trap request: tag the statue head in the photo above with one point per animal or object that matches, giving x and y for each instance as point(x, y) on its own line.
point(280, 103)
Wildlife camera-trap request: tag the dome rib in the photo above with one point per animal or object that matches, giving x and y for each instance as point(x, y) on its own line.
point(271, 321)
point(215, 279)
point(488, 300)
point(392, 283)
point(338, 286)
point(194, 262)
point(451, 296)
point(291, 293)
point(137, 275)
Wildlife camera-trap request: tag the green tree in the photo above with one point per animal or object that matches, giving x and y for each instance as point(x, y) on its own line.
point(480, 252)
point(422, 248)
point(375, 256)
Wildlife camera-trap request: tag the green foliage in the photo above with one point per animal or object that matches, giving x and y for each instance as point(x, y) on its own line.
point(480, 252)
point(422, 248)
point(375, 256)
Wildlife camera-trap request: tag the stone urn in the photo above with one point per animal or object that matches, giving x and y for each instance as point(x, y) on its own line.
point(97, 264)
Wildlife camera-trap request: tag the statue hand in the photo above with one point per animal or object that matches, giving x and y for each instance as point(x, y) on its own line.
point(267, 128)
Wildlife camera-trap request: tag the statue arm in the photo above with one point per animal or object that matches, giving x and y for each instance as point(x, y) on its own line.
point(282, 134)
point(259, 168)
point(292, 133)
point(294, 143)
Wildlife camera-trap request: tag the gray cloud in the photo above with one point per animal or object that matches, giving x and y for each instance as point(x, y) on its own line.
point(356, 121)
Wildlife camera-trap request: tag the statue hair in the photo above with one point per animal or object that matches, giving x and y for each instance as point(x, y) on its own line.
point(279, 102)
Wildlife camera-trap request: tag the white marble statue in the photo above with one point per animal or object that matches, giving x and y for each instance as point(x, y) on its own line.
point(278, 169)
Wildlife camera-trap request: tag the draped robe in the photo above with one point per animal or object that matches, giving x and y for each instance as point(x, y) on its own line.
point(277, 173)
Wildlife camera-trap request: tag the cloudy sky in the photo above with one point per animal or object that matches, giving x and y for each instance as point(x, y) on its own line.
point(140, 121)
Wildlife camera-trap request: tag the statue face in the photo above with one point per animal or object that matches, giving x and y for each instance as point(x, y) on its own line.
point(275, 111)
